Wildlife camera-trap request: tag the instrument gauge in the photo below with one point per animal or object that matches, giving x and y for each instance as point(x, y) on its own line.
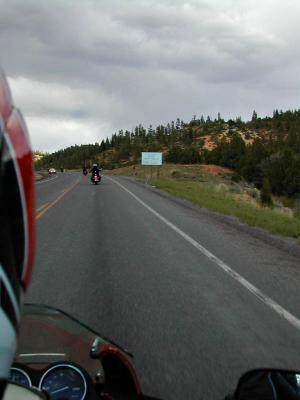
point(18, 375)
point(64, 381)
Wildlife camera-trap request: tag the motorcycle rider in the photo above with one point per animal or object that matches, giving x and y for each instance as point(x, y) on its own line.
point(95, 170)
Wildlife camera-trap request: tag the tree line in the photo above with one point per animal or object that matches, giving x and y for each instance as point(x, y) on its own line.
point(260, 150)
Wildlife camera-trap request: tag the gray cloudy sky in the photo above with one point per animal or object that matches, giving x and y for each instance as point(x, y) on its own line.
point(81, 70)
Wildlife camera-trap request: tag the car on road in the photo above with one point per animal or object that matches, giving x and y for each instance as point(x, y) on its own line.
point(52, 171)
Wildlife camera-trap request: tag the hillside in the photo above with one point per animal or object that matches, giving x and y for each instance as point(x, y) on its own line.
point(264, 151)
point(212, 187)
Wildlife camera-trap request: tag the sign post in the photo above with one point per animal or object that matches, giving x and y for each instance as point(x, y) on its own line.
point(151, 158)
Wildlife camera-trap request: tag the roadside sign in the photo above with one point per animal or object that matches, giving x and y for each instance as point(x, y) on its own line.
point(149, 158)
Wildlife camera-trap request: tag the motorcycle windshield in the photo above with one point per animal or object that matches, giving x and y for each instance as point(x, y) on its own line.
point(50, 335)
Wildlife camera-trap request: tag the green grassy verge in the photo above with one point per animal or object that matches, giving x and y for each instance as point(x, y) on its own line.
point(209, 192)
point(40, 175)
point(203, 196)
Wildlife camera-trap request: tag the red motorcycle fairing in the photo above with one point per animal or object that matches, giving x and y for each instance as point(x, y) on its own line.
point(50, 337)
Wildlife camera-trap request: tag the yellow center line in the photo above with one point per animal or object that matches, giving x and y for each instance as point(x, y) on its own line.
point(40, 208)
point(45, 209)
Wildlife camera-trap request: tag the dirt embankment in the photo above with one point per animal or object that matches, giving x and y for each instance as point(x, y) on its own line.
point(215, 169)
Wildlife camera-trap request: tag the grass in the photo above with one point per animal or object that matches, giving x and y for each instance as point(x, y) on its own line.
point(216, 193)
point(40, 175)
point(286, 201)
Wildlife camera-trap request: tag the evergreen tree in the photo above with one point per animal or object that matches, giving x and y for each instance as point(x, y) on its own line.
point(265, 194)
point(254, 116)
point(274, 154)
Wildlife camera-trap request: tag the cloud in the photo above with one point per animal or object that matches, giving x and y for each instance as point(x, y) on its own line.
point(51, 134)
point(114, 64)
point(60, 100)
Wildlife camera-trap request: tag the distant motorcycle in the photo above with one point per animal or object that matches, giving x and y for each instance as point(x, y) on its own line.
point(96, 179)
point(85, 172)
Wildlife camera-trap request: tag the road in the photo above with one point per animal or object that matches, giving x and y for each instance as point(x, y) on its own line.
point(168, 281)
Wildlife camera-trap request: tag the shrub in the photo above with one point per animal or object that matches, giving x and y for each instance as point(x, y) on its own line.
point(297, 207)
point(265, 194)
point(236, 177)
point(174, 173)
point(254, 193)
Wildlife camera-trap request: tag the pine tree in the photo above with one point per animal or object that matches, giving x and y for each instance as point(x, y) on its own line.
point(254, 116)
point(265, 194)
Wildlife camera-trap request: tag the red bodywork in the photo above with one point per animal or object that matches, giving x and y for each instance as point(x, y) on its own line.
point(108, 350)
point(48, 335)
point(17, 139)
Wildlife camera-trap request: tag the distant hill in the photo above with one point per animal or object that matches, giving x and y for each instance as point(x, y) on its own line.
point(37, 156)
point(261, 150)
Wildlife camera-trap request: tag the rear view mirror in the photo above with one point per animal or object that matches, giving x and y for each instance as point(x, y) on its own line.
point(268, 384)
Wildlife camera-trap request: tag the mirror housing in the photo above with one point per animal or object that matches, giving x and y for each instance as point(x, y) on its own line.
point(277, 384)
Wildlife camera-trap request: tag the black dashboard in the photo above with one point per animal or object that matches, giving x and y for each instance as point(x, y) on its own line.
point(61, 380)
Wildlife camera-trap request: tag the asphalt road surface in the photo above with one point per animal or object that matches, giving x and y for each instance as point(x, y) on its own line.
point(196, 299)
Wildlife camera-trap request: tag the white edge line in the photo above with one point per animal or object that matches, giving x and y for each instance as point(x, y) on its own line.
point(282, 312)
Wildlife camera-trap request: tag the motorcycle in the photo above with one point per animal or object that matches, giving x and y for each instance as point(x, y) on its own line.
point(85, 172)
point(96, 179)
point(68, 360)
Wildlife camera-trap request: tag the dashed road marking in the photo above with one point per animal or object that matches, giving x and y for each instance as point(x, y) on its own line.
point(58, 198)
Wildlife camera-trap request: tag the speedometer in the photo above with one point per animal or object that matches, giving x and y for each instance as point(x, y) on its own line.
point(64, 381)
point(19, 376)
